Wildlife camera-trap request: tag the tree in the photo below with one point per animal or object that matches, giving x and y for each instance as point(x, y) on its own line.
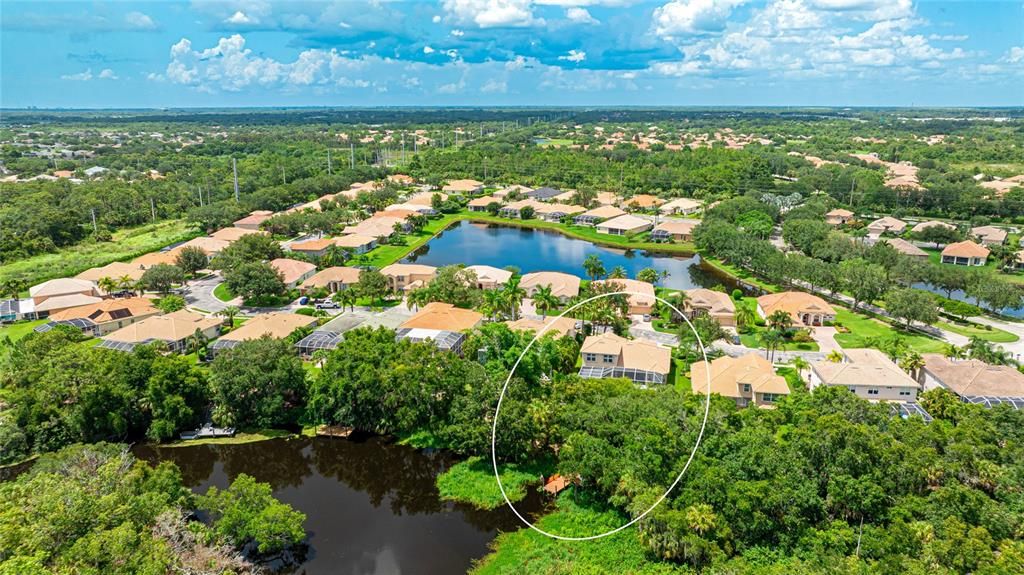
point(247, 512)
point(373, 285)
point(347, 297)
point(779, 320)
point(771, 339)
point(229, 313)
point(177, 394)
point(162, 277)
point(170, 303)
point(864, 281)
point(254, 280)
point(512, 294)
point(249, 248)
point(912, 362)
point(106, 284)
point(911, 305)
point(800, 364)
point(648, 275)
point(938, 235)
point(805, 234)
point(493, 208)
point(618, 272)
point(756, 223)
point(746, 317)
point(594, 267)
point(544, 300)
point(526, 213)
point(948, 278)
point(995, 294)
point(258, 383)
point(493, 303)
point(191, 259)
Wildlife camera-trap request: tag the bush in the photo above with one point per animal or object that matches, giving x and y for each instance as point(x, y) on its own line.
point(306, 311)
point(737, 294)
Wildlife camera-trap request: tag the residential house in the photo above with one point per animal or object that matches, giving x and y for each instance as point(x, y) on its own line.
point(441, 323)
point(714, 304)
point(989, 235)
point(930, 224)
point(748, 380)
point(624, 225)
point(480, 204)
point(160, 258)
point(610, 355)
point(608, 198)
point(403, 277)
point(866, 372)
point(641, 297)
point(680, 206)
point(673, 231)
point(965, 253)
point(232, 235)
point(804, 308)
point(210, 246)
point(597, 215)
point(643, 202)
point(254, 219)
point(503, 193)
point(313, 248)
point(463, 187)
point(886, 225)
point(62, 293)
point(103, 317)
point(973, 381)
point(563, 286)
point(293, 272)
point(276, 325)
point(564, 197)
point(424, 199)
point(906, 248)
point(838, 217)
point(333, 279)
point(115, 271)
point(544, 194)
point(554, 212)
point(173, 330)
point(17, 309)
point(558, 326)
point(488, 277)
point(401, 179)
point(423, 210)
point(316, 205)
point(377, 226)
point(514, 210)
point(359, 244)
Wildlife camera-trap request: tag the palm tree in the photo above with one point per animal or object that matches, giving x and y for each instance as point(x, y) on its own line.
point(197, 341)
point(513, 296)
point(701, 518)
point(954, 352)
point(12, 288)
point(834, 356)
point(594, 267)
point(800, 364)
point(108, 284)
point(544, 300)
point(912, 362)
point(746, 317)
point(771, 339)
point(346, 297)
point(618, 272)
point(229, 314)
point(418, 297)
point(126, 282)
point(779, 319)
point(493, 303)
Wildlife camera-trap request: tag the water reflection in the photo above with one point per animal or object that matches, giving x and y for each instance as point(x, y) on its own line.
point(371, 506)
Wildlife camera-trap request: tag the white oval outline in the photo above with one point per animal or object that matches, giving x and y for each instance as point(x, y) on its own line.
point(501, 397)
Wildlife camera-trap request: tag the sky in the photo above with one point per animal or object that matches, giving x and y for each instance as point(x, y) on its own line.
point(212, 53)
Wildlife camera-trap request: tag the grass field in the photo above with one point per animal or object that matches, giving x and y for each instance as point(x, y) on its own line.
point(740, 274)
point(472, 481)
point(223, 293)
point(18, 330)
point(869, 332)
point(995, 335)
point(125, 245)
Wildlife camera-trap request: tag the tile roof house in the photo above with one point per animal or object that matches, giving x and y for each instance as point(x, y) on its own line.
point(293, 271)
point(163, 257)
point(276, 325)
point(402, 277)
point(990, 235)
point(424, 199)
point(748, 380)
point(641, 299)
point(377, 226)
point(624, 225)
point(62, 287)
point(504, 192)
point(610, 355)
point(105, 316)
point(805, 308)
point(931, 223)
point(463, 187)
point(253, 220)
point(965, 253)
point(210, 246)
point(115, 270)
point(673, 230)
point(173, 329)
point(972, 380)
point(886, 225)
point(906, 248)
point(543, 194)
point(563, 286)
point(441, 323)
point(358, 243)
point(553, 212)
point(231, 235)
point(838, 217)
point(598, 214)
point(714, 304)
point(480, 204)
point(333, 279)
point(314, 248)
point(643, 202)
point(488, 277)
point(558, 326)
point(514, 210)
point(607, 198)
point(866, 372)
point(680, 206)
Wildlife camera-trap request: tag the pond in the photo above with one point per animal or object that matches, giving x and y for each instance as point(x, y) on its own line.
point(545, 250)
point(372, 506)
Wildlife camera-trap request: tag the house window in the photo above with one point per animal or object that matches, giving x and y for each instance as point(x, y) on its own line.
point(872, 392)
point(590, 357)
point(904, 393)
point(609, 358)
point(746, 388)
point(769, 397)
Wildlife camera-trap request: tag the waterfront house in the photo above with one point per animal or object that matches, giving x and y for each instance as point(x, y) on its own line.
point(990, 235)
point(333, 279)
point(554, 212)
point(931, 224)
point(597, 215)
point(680, 206)
point(641, 297)
point(102, 317)
point(965, 253)
point(377, 226)
point(838, 217)
point(480, 204)
point(973, 381)
point(403, 277)
point(714, 304)
point(868, 373)
point(276, 325)
point(514, 210)
point(357, 243)
point(673, 231)
point(609, 355)
point(313, 248)
point(441, 323)
point(563, 286)
point(748, 380)
point(906, 248)
point(805, 309)
point(293, 272)
point(503, 193)
point(543, 194)
point(624, 225)
point(488, 277)
point(173, 329)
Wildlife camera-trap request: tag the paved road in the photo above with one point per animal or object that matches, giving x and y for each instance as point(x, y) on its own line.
point(199, 294)
point(1016, 347)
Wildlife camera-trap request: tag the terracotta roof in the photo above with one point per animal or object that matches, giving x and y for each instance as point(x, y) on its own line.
point(626, 222)
point(61, 286)
point(674, 227)
point(888, 223)
point(841, 213)
point(338, 274)
point(170, 327)
point(930, 223)
point(556, 207)
point(559, 326)
point(312, 245)
point(443, 317)
point(484, 201)
point(408, 270)
point(632, 353)
point(794, 303)
point(291, 269)
point(604, 212)
point(401, 178)
point(353, 241)
point(715, 302)
point(644, 201)
point(863, 367)
point(462, 186)
point(562, 285)
point(990, 234)
point(906, 248)
point(646, 290)
point(490, 274)
point(277, 325)
point(208, 244)
point(729, 373)
point(966, 249)
point(971, 377)
point(108, 310)
point(115, 270)
point(424, 198)
point(65, 301)
point(684, 204)
point(254, 219)
point(376, 227)
point(157, 258)
point(399, 214)
point(233, 234)
point(607, 198)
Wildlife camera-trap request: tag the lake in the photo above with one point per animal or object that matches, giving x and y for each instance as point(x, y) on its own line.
point(545, 250)
point(372, 506)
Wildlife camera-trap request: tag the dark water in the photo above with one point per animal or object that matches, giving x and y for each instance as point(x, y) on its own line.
point(544, 250)
point(961, 296)
point(372, 507)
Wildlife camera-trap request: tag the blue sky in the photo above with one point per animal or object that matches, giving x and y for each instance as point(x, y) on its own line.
point(512, 52)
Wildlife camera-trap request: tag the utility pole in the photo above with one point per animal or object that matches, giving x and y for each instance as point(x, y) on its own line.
point(403, 147)
point(234, 169)
point(152, 208)
point(328, 161)
point(284, 178)
point(93, 212)
point(352, 156)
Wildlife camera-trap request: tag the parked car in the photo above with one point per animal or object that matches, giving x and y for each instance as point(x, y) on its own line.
point(303, 300)
point(328, 305)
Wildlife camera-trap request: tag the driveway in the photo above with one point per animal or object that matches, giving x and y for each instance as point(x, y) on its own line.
point(825, 337)
point(199, 294)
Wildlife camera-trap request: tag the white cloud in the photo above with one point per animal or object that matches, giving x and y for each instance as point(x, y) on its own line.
point(492, 13)
point(494, 86)
point(574, 56)
point(240, 17)
point(448, 88)
point(948, 37)
point(107, 74)
point(580, 15)
point(79, 77)
point(428, 50)
point(689, 17)
point(517, 63)
point(1014, 55)
point(139, 21)
point(436, 19)
point(868, 9)
point(458, 33)
point(681, 68)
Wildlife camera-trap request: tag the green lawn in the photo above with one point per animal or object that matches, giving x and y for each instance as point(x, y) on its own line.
point(223, 292)
point(993, 334)
point(472, 481)
point(741, 274)
point(18, 330)
point(793, 379)
point(869, 332)
point(935, 257)
point(126, 244)
point(555, 142)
